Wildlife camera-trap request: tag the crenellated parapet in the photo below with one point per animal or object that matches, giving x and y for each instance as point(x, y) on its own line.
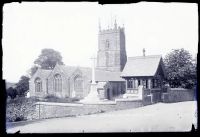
point(114, 29)
point(111, 30)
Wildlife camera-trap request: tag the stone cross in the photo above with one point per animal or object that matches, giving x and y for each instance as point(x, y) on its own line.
point(93, 70)
point(144, 52)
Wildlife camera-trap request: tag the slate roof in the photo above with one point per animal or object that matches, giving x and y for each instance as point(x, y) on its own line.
point(43, 73)
point(141, 66)
point(100, 75)
point(103, 75)
point(68, 70)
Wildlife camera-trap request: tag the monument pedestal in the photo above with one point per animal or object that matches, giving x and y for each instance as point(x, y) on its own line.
point(92, 97)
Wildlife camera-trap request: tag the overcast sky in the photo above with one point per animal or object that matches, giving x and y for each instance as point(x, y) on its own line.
point(72, 29)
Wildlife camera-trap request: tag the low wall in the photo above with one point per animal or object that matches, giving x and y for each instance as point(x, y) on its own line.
point(147, 100)
point(178, 95)
point(156, 97)
point(45, 110)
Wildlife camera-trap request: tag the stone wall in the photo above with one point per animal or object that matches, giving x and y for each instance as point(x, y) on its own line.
point(178, 95)
point(169, 95)
point(156, 97)
point(43, 111)
point(152, 95)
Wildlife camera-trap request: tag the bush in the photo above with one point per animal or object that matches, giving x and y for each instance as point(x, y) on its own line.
point(18, 109)
point(11, 92)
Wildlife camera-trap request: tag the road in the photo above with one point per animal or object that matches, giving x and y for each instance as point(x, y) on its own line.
point(153, 118)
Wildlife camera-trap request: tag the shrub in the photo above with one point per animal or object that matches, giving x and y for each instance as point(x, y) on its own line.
point(18, 109)
point(11, 92)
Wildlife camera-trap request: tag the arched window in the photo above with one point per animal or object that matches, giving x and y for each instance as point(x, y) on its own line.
point(107, 44)
point(57, 83)
point(78, 84)
point(38, 85)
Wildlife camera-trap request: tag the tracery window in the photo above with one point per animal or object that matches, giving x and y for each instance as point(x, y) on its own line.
point(57, 83)
point(38, 85)
point(78, 83)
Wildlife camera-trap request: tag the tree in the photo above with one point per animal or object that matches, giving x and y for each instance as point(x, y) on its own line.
point(33, 70)
point(11, 92)
point(22, 86)
point(181, 72)
point(48, 59)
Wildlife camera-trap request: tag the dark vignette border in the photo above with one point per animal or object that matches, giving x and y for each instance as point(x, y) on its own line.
point(102, 2)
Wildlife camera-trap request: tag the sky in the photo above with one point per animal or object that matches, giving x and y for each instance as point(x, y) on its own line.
point(72, 29)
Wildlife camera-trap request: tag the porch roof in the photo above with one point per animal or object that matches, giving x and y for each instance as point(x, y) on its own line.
point(141, 66)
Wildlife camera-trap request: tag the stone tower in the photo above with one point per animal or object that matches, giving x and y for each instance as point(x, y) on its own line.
point(111, 49)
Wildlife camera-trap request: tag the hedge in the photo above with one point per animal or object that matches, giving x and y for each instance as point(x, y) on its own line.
point(17, 109)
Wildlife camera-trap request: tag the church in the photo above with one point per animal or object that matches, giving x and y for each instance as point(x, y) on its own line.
point(115, 74)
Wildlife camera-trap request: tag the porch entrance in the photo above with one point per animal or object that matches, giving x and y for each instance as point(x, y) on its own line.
point(108, 94)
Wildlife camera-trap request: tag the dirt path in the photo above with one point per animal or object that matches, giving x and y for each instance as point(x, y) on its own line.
point(158, 117)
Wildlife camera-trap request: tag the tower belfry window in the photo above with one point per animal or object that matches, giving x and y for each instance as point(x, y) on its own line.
point(107, 44)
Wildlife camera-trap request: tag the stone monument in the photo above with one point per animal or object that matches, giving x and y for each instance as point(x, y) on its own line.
point(92, 97)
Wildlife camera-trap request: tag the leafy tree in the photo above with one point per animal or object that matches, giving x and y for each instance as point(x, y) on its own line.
point(181, 72)
point(11, 92)
point(48, 59)
point(33, 70)
point(22, 86)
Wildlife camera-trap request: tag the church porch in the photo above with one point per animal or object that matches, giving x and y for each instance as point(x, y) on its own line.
point(150, 86)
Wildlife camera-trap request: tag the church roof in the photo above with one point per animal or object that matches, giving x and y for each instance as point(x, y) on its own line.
point(141, 66)
point(42, 73)
point(68, 70)
point(100, 75)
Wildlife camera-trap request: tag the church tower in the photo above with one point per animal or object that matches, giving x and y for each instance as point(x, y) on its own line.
point(111, 49)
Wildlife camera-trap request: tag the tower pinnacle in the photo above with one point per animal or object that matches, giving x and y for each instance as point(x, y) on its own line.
point(115, 24)
point(99, 26)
